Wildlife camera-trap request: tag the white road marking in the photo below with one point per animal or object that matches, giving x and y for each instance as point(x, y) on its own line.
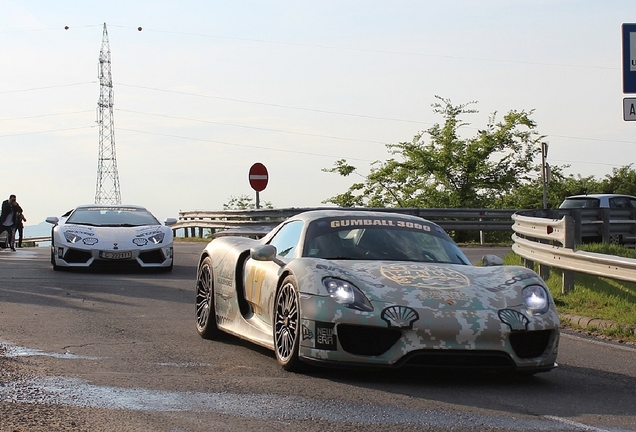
point(576, 424)
point(605, 344)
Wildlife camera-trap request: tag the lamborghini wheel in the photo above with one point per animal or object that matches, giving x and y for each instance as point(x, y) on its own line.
point(287, 325)
point(53, 264)
point(206, 316)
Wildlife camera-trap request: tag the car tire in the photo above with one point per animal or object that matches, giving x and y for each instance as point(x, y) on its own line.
point(287, 325)
point(205, 310)
point(55, 266)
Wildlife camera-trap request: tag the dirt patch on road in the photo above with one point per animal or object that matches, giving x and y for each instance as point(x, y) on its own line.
point(22, 412)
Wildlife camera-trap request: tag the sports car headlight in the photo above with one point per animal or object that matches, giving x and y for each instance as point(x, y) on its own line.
point(536, 299)
point(156, 238)
point(72, 238)
point(347, 294)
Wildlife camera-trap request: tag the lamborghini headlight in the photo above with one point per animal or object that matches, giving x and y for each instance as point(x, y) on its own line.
point(536, 299)
point(71, 237)
point(347, 294)
point(156, 238)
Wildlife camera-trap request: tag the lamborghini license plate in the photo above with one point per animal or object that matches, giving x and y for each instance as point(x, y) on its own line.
point(115, 255)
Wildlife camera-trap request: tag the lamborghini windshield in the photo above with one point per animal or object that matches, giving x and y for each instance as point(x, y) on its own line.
point(112, 216)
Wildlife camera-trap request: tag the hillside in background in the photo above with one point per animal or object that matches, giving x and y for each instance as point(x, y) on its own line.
point(39, 230)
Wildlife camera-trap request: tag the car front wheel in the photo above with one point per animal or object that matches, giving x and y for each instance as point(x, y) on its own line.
point(206, 316)
point(287, 325)
point(55, 266)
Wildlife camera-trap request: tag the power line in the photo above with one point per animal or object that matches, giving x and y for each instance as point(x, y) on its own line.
point(262, 147)
point(592, 139)
point(271, 104)
point(378, 51)
point(324, 112)
point(45, 115)
point(254, 127)
point(244, 145)
point(586, 163)
point(46, 131)
point(333, 47)
point(48, 29)
point(46, 88)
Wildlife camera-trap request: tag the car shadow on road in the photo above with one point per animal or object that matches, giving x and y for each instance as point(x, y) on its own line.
point(567, 391)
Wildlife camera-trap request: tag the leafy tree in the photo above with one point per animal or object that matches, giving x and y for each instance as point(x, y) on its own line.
point(621, 181)
point(530, 195)
point(244, 202)
point(446, 170)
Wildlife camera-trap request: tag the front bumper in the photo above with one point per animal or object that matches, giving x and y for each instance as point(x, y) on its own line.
point(332, 334)
point(150, 258)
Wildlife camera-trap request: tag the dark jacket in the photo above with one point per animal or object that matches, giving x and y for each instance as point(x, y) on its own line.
point(8, 209)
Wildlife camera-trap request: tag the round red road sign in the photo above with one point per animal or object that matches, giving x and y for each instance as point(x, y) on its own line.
point(258, 177)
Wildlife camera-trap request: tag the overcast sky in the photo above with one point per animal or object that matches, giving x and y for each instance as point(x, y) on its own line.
point(208, 88)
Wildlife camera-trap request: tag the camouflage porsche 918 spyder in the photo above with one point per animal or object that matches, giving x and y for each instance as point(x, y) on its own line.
point(343, 287)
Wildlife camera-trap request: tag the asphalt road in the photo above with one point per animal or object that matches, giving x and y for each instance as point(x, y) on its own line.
point(119, 351)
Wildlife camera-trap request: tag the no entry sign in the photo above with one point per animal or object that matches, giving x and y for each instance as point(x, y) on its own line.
point(258, 177)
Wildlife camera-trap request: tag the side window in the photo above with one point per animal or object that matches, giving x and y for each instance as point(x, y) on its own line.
point(286, 239)
point(619, 203)
point(592, 203)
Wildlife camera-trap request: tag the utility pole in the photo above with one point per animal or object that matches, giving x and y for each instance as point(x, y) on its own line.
point(545, 173)
point(107, 190)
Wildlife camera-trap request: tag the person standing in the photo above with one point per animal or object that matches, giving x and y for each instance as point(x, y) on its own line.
point(18, 227)
point(8, 218)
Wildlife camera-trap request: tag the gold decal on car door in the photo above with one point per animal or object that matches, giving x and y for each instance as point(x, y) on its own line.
point(253, 288)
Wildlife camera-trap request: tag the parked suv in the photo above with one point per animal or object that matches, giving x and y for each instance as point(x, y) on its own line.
point(621, 230)
point(615, 201)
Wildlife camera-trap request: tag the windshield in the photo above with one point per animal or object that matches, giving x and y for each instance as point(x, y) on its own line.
point(580, 203)
point(112, 216)
point(389, 240)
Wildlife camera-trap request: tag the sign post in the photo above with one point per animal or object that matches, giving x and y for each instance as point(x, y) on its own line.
point(629, 109)
point(258, 178)
point(628, 32)
point(629, 58)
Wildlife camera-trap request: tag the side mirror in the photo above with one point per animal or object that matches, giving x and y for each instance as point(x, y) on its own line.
point(266, 252)
point(53, 220)
point(170, 221)
point(263, 253)
point(491, 260)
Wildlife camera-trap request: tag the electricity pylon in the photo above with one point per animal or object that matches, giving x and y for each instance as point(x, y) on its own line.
point(107, 191)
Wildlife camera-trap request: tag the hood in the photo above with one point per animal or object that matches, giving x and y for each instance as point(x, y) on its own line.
point(116, 234)
point(429, 284)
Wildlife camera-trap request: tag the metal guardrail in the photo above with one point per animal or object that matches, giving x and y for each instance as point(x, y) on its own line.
point(547, 241)
point(605, 225)
point(449, 219)
point(551, 243)
point(36, 240)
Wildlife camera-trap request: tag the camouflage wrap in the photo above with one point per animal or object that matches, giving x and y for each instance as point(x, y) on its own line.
point(440, 307)
point(432, 306)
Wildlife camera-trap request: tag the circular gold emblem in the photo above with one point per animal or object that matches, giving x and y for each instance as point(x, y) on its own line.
point(429, 276)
